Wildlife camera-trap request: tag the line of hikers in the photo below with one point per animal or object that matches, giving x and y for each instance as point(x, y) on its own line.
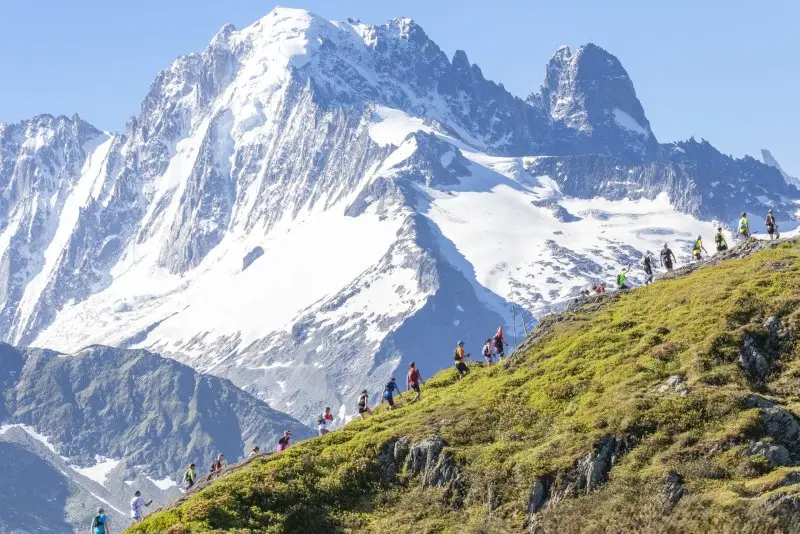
point(493, 348)
point(668, 259)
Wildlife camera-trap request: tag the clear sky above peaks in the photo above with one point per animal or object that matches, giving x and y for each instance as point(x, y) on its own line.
point(726, 71)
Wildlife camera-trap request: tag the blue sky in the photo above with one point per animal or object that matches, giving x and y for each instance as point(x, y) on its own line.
point(727, 71)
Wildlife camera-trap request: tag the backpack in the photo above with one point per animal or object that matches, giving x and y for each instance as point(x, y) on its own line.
point(487, 350)
point(187, 477)
point(456, 356)
point(362, 401)
point(620, 279)
point(99, 524)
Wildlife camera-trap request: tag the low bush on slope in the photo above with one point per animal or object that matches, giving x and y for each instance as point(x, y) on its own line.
point(667, 409)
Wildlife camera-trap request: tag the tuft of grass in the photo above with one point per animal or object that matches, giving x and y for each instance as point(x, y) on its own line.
point(598, 371)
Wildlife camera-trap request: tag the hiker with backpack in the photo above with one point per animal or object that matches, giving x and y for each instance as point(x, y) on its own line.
point(487, 352)
point(284, 441)
point(667, 258)
point(255, 452)
point(744, 226)
point(363, 404)
point(216, 467)
point(100, 523)
point(719, 240)
point(647, 265)
point(698, 248)
point(458, 358)
point(137, 506)
point(622, 278)
point(322, 426)
point(413, 381)
point(500, 343)
point(771, 225)
point(189, 477)
point(388, 392)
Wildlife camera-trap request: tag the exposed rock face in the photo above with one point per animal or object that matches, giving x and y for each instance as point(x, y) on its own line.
point(673, 487)
point(779, 424)
point(588, 474)
point(252, 256)
point(675, 384)
point(435, 468)
point(393, 458)
point(777, 455)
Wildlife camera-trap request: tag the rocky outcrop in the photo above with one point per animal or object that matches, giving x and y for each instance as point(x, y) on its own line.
point(674, 385)
point(392, 458)
point(779, 424)
point(673, 488)
point(588, 474)
point(776, 455)
point(435, 467)
point(252, 256)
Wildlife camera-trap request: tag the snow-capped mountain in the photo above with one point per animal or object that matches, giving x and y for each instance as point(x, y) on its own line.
point(90, 428)
point(306, 206)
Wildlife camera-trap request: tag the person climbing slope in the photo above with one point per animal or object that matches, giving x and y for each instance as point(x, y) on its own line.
point(284, 441)
point(719, 240)
point(137, 506)
point(647, 265)
point(322, 425)
point(744, 226)
point(189, 477)
point(622, 278)
point(327, 416)
point(487, 352)
point(500, 343)
point(668, 258)
point(414, 380)
point(458, 358)
point(363, 404)
point(698, 248)
point(769, 222)
point(216, 467)
point(388, 392)
point(100, 523)
point(255, 452)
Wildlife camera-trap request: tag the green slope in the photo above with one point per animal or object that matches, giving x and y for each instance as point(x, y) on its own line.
point(583, 430)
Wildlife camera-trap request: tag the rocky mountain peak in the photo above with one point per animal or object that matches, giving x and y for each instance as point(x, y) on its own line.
point(589, 91)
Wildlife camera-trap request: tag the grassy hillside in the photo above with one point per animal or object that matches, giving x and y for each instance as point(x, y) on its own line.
point(667, 409)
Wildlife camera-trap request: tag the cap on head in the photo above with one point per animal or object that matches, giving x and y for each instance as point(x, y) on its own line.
point(191, 465)
point(288, 432)
point(100, 511)
point(460, 343)
point(138, 493)
point(744, 214)
point(363, 391)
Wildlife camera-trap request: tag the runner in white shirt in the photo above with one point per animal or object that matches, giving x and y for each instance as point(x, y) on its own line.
point(137, 506)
